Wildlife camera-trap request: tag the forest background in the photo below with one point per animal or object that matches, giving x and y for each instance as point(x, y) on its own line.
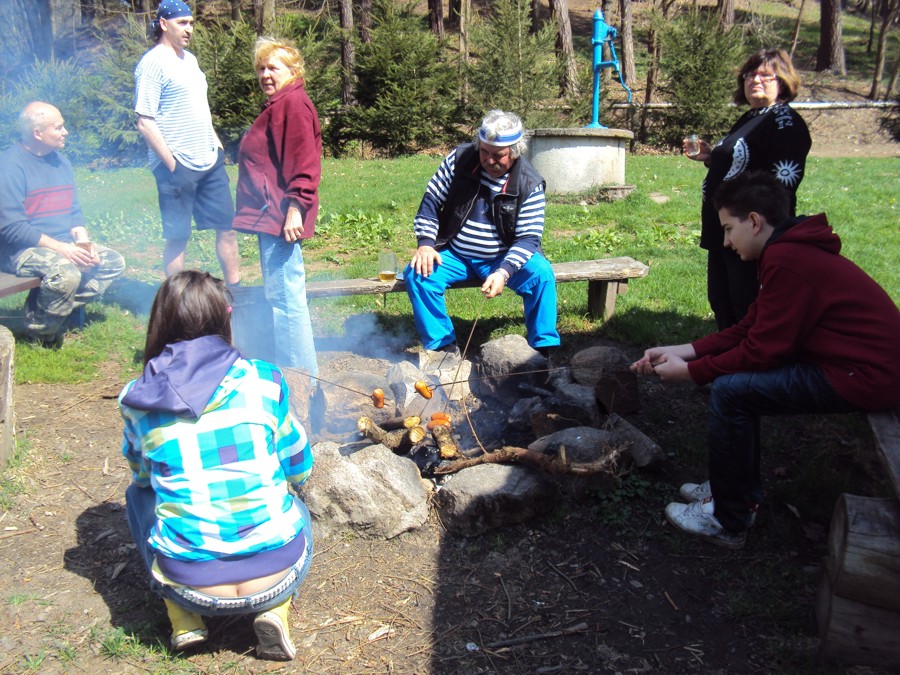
point(391, 77)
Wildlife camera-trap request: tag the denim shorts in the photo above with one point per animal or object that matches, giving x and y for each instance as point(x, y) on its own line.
point(185, 193)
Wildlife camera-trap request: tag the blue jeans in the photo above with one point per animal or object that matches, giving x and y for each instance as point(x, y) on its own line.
point(284, 279)
point(736, 404)
point(534, 282)
point(140, 505)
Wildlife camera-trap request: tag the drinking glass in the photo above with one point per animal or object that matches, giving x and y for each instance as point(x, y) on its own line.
point(387, 266)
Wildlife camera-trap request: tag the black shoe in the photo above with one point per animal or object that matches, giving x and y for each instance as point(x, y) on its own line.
point(450, 348)
point(46, 341)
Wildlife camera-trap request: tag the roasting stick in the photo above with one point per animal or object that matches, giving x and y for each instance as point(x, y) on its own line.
point(462, 399)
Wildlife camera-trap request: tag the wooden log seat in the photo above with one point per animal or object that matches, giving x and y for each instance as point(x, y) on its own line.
point(607, 279)
point(858, 603)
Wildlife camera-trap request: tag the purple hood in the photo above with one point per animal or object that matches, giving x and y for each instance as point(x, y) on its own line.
point(183, 379)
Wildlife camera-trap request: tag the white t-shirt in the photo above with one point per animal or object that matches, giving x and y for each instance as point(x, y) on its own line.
point(172, 90)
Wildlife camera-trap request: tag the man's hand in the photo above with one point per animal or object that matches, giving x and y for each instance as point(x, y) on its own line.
point(293, 224)
point(494, 284)
point(75, 254)
point(655, 357)
point(424, 260)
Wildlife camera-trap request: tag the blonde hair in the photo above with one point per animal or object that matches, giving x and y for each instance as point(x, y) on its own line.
point(284, 50)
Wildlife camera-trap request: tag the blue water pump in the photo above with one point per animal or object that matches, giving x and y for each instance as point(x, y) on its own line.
point(603, 34)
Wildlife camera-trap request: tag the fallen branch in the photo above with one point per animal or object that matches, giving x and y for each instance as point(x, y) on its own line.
point(578, 628)
point(554, 465)
point(399, 441)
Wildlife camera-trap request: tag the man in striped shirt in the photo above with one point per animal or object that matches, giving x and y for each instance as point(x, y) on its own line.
point(482, 217)
point(186, 155)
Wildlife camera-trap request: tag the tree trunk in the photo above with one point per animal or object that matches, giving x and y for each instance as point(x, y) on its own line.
point(365, 21)
point(890, 12)
point(454, 13)
point(564, 48)
point(436, 17)
point(263, 16)
point(830, 55)
point(895, 71)
point(236, 10)
point(537, 9)
point(348, 56)
point(725, 10)
point(796, 36)
point(628, 70)
point(463, 8)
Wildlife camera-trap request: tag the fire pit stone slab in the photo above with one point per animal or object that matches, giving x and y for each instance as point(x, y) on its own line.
point(490, 496)
point(372, 492)
point(589, 365)
point(501, 359)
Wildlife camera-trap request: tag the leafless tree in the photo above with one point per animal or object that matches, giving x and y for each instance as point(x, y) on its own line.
point(725, 10)
point(890, 11)
point(653, 47)
point(628, 71)
point(454, 13)
point(564, 48)
point(235, 10)
point(537, 11)
point(797, 25)
point(436, 17)
point(365, 21)
point(830, 55)
point(263, 16)
point(348, 55)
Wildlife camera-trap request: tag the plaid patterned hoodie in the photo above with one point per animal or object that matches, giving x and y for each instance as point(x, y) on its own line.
point(212, 434)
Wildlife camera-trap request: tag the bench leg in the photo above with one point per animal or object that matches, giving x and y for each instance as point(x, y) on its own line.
point(602, 297)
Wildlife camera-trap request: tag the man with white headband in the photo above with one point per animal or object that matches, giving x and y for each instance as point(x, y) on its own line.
point(482, 217)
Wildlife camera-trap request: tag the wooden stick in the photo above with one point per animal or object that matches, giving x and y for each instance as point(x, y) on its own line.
point(539, 460)
point(578, 628)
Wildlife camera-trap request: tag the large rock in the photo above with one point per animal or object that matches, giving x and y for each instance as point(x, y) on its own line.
point(502, 361)
point(643, 450)
point(347, 397)
point(372, 492)
point(589, 365)
point(582, 445)
point(488, 496)
point(617, 392)
point(451, 370)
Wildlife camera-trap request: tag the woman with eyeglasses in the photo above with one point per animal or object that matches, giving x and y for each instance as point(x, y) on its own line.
point(769, 137)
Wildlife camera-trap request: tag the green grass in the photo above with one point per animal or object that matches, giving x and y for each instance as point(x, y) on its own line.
point(368, 206)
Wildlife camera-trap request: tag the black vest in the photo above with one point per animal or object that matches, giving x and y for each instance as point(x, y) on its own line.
point(504, 209)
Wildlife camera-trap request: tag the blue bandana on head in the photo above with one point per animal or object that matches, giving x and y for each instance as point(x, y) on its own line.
point(172, 9)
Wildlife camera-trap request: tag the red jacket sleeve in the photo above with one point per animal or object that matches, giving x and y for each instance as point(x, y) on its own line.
point(297, 143)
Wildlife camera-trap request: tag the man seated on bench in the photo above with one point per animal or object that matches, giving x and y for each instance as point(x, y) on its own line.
point(42, 231)
point(821, 337)
point(482, 217)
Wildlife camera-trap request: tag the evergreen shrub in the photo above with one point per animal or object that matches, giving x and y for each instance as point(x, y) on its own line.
point(699, 62)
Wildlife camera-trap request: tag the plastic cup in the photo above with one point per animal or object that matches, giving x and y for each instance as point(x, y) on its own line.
point(692, 145)
point(387, 266)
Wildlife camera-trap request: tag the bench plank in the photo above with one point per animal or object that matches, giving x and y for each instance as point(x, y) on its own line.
point(10, 284)
point(886, 428)
point(606, 279)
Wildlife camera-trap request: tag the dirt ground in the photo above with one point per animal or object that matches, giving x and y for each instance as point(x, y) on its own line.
point(598, 586)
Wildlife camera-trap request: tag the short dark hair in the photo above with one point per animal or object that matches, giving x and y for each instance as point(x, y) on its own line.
point(780, 62)
point(188, 305)
point(754, 191)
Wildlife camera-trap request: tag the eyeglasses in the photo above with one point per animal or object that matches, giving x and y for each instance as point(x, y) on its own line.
point(763, 77)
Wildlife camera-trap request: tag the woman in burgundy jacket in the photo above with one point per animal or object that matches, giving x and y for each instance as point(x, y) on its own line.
point(280, 164)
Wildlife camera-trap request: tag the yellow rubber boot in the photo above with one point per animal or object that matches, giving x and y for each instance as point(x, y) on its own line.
point(188, 629)
point(272, 629)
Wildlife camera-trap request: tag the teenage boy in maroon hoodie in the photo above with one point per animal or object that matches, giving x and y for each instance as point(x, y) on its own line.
point(821, 337)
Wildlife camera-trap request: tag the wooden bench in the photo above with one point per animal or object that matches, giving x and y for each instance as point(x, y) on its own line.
point(858, 604)
point(10, 284)
point(607, 279)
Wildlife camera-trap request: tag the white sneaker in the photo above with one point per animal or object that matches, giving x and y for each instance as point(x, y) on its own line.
point(697, 518)
point(695, 492)
point(274, 640)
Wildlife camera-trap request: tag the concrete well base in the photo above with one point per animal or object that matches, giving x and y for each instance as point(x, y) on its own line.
point(579, 159)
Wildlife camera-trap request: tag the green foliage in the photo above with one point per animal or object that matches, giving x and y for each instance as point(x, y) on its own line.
point(513, 68)
point(68, 86)
point(225, 54)
point(633, 492)
point(699, 58)
point(358, 232)
point(406, 92)
point(114, 97)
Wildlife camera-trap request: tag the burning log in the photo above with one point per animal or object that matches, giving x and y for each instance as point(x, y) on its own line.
point(554, 465)
point(443, 437)
point(400, 422)
point(400, 441)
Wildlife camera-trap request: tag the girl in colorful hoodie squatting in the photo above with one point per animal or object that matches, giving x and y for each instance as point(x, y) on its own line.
point(213, 450)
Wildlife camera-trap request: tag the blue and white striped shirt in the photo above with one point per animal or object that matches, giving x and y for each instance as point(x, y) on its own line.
point(172, 90)
point(478, 237)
